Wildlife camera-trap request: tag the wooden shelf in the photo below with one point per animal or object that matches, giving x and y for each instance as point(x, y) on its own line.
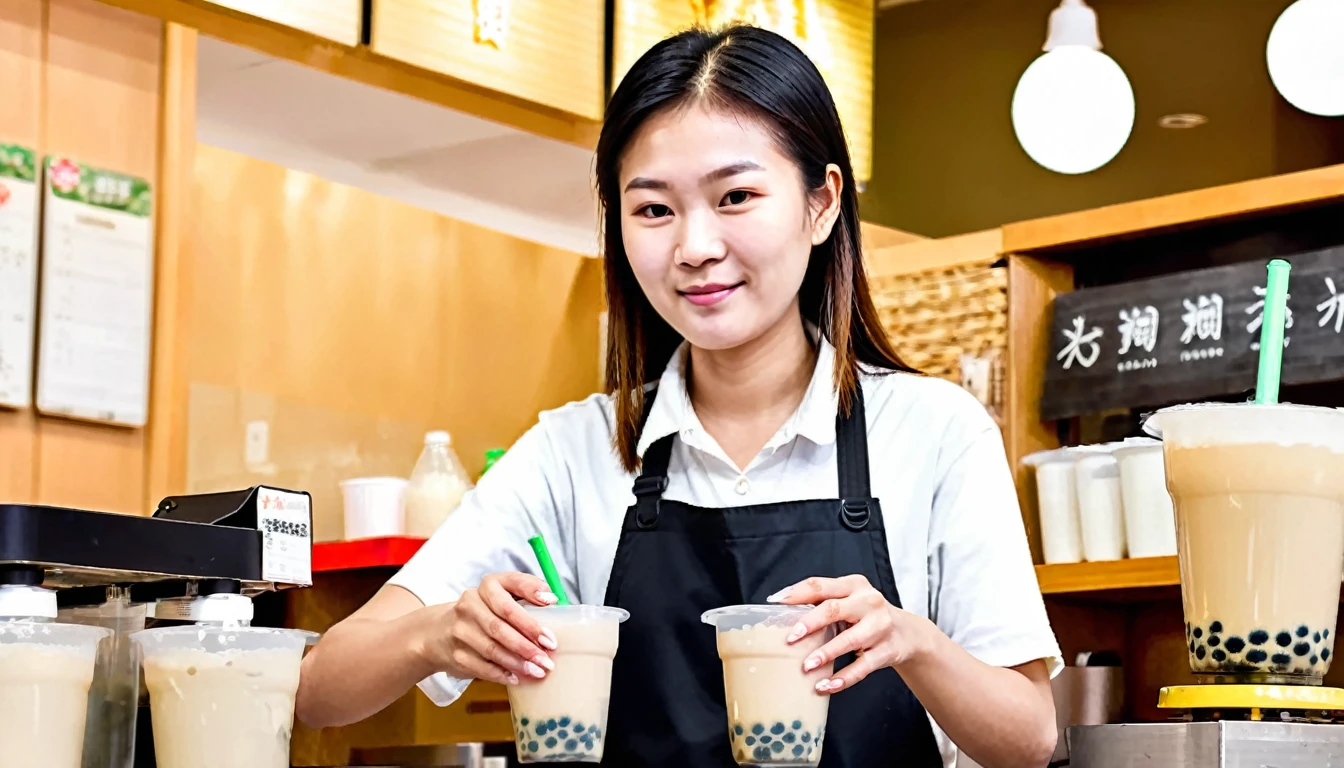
point(388, 552)
point(1140, 573)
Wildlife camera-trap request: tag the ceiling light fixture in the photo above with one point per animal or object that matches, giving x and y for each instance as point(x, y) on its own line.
point(1305, 54)
point(1073, 109)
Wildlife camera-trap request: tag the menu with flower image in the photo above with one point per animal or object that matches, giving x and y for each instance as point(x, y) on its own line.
point(97, 294)
point(18, 273)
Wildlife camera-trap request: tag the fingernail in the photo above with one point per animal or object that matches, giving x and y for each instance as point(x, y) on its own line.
point(547, 640)
point(780, 595)
point(823, 686)
point(534, 670)
point(798, 631)
point(513, 679)
point(544, 661)
point(548, 598)
point(812, 662)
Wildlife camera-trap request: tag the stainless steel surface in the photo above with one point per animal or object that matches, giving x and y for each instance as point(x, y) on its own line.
point(1086, 696)
point(1232, 744)
point(436, 756)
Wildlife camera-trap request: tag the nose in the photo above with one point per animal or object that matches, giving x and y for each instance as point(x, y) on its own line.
point(700, 242)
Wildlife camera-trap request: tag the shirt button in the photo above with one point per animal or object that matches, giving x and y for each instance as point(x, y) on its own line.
point(743, 485)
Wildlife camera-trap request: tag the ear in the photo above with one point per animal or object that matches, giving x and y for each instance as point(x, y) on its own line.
point(825, 208)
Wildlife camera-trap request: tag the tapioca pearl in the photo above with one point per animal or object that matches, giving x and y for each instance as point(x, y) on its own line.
point(1302, 631)
point(533, 746)
point(1257, 656)
point(737, 729)
point(1197, 632)
point(597, 732)
point(798, 750)
point(751, 741)
point(1220, 655)
point(761, 753)
point(1325, 632)
point(806, 737)
point(758, 729)
point(1313, 660)
point(1192, 646)
point(789, 738)
point(1282, 659)
point(1201, 652)
point(777, 747)
point(523, 722)
point(1235, 645)
point(1258, 637)
point(777, 728)
point(1216, 627)
point(564, 733)
point(797, 725)
point(1316, 637)
point(766, 739)
point(1302, 649)
point(1283, 639)
point(572, 745)
point(1325, 654)
point(564, 722)
point(1214, 640)
point(550, 742)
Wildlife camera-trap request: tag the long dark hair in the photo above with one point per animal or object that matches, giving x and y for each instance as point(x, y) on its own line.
point(759, 74)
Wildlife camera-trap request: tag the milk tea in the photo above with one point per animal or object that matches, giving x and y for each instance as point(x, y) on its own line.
point(1259, 498)
point(775, 715)
point(563, 717)
point(44, 696)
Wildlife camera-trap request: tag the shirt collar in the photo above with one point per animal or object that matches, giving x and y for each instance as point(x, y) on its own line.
point(672, 412)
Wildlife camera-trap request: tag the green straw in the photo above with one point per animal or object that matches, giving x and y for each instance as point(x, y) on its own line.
point(548, 569)
point(1271, 333)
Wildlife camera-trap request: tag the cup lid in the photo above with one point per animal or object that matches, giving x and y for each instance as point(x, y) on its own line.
point(738, 616)
point(219, 634)
point(1133, 445)
point(577, 614)
point(1051, 456)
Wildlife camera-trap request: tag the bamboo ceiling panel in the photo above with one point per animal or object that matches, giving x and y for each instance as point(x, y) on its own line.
point(543, 51)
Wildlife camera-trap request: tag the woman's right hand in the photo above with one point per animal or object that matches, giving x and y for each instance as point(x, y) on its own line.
point(488, 634)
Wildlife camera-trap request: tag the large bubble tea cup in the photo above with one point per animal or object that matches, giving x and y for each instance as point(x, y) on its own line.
point(563, 717)
point(45, 673)
point(222, 696)
point(1259, 498)
point(775, 715)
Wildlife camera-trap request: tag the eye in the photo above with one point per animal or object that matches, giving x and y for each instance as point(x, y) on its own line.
point(654, 211)
point(737, 197)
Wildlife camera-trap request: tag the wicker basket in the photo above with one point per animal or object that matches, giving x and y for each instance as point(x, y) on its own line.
point(951, 323)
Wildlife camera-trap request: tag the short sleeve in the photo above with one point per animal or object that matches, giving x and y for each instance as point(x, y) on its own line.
point(983, 591)
point(524, 494)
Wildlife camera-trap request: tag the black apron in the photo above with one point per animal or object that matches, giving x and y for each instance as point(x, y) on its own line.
point(676, 561)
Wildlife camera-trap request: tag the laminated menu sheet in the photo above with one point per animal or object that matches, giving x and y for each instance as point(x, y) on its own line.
point(18, 274)
point(97, 294)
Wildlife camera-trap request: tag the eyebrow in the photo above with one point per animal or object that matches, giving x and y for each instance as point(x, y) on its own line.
point(727, 171)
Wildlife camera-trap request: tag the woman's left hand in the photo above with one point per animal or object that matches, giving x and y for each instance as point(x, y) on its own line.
point(881, 634)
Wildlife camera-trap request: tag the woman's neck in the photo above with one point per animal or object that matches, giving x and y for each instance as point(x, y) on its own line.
point(743, 395)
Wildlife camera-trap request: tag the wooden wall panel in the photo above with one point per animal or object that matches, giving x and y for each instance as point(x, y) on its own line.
point(351, 324)
point(21, 30)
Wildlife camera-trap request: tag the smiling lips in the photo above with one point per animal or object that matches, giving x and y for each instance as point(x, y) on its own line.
point(709, 293)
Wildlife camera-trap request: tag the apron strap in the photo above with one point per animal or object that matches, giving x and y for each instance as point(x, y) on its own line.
point(851, 445)
point(652, 480)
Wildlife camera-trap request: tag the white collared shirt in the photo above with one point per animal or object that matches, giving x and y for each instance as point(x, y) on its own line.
point(959, 552)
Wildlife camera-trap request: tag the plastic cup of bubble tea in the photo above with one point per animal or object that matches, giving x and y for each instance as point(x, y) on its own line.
point(1259, 497)
point(1057, 498)
point(46, 669)
point(562, 718)
point(775, 714)
point(222, 696)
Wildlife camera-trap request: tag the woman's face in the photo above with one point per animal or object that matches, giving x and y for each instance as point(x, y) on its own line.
point(717, 225)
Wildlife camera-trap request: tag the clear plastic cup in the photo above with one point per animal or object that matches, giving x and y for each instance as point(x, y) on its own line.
point(46, 669)
point(563, 717)
point(221, 696)
point(1259, 498)
point(775, 715)
point(1057, 498)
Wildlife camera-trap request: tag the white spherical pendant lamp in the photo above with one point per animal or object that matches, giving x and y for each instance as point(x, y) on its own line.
point(1305, 54)
point(1073, 109)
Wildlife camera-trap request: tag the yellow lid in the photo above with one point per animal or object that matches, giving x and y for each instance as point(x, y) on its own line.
point(1248, 696)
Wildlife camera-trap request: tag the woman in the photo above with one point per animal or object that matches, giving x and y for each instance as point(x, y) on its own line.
point(751, 471)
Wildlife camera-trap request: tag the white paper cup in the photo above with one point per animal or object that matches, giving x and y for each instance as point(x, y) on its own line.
point(374, 507)
point(1057, 498)
point(1150, 520)
point(1100, 508)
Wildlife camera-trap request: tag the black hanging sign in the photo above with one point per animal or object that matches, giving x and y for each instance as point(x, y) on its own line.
point(1190, 335)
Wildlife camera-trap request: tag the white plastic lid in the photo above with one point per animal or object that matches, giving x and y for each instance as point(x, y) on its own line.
point(438, 437)
point(577, 614)
point(18, 601)
point(1204, 424)
point(215, 638)
point(1136, 445)
point(1051, 456)
point(742, 616)
point(224, 607)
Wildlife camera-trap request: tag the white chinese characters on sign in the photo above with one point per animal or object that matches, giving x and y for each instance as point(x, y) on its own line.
point(1332, 307)
point(1203, 320)
point(1258, 309)
point(1138, 330)
point(1079, 338)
